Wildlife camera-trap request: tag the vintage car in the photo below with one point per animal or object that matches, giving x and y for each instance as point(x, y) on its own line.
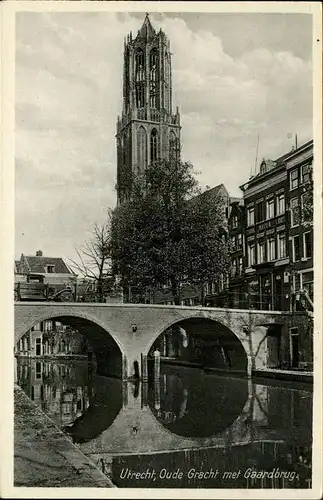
point(35, 289)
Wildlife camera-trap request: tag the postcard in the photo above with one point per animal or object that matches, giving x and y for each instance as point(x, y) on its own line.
point(161, 249)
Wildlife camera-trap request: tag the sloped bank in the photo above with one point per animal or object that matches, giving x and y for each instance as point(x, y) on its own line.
point(44, 456)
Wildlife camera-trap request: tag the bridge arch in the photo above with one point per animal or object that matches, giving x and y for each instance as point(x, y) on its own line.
point(212, 328)
point(109, 351)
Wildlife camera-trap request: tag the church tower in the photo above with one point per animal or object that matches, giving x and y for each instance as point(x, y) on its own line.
point(147, 129)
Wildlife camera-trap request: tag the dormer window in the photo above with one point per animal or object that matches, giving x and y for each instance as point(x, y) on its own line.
point(50, 268)
point(263, 167)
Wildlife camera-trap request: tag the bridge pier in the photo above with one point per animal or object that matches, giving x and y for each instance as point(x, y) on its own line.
point(144, 367)
point(249, 366)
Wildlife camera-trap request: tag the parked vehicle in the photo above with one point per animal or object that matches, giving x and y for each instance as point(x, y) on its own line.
point(35, 289)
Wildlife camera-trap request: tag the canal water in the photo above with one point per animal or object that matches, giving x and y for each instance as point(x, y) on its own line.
point(189, 429)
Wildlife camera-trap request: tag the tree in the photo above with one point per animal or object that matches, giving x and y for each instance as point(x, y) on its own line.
point(95, 259)
point(168, 233)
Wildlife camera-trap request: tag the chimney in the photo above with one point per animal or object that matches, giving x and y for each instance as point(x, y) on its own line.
point(39, 253)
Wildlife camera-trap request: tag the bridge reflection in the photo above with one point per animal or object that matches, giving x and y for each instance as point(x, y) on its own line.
point(196, 407)
point(120, 424)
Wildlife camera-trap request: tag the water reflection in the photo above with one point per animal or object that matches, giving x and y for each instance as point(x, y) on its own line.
point(103, 408)
point(188, 420)
point(62, 390)
point(180, 401)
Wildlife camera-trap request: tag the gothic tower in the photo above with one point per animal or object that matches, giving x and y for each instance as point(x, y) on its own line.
point(147, 129)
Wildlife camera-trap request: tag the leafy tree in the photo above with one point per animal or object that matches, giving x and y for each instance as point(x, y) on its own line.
point(95, 260)
point(168, 233)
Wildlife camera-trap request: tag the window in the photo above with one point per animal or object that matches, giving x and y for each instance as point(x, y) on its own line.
point(261, 252)
point(251, 254)
point(306, 173)
point(270, 208)
point(307, 283)
point(50, 268)
point(250, 216)
point(153, 79)
point(233, 243)
point(239, 238)
point(38, 365)
point(240, 265)
point(271, 249)
point(142, 148)
point(296, 249)
point(48, 326)
point(66, 409)
point(280, 204)
point(38, 346)
point(140, 65)
point(140, 95)
point(235, 221)
point(140, 78)
point(294, 179)
point(261, 211)
point(234, 268)
point(153, 145)
point(281, 246)
point(307, 245)
point(294, 212)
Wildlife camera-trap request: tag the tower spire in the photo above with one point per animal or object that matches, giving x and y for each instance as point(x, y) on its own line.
point(147, 31)
point(148, 129)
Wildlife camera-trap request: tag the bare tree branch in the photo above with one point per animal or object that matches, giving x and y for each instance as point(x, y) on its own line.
point(95, 258)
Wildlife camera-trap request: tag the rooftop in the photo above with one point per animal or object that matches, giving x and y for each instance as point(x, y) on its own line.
point(38, 264)
point(268, 166)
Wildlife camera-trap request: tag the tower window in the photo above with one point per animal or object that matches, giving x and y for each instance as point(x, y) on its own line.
point(140, 66)
point(142, 148)
point(140, 95)
point(153, 79)
point(153, 58)
point(153, 145)
point(140, 78)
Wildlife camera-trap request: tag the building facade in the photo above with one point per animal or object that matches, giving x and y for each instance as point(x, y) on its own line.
point(266, 232)
point(53, 269)
point(236, 227)
point(273, 269)
point(52, 338)
point(147, 129)
point(299, 166)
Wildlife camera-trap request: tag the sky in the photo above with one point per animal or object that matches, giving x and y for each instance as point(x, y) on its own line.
point(234, 76)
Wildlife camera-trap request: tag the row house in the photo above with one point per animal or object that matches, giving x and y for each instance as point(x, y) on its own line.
point(272, 236)
point(52, 338)
point(300, 202)
point(53, 269)
point(237, 223)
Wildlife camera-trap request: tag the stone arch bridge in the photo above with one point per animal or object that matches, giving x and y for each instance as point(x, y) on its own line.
point(123, 334)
